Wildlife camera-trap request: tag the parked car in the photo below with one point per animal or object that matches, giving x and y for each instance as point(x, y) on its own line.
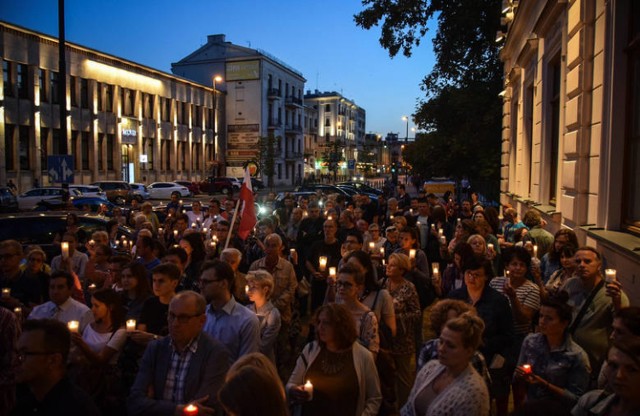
point(256, 184)
point(361, 187)
point(326, 189)
point(78, 202)
point(28, 200)
point(90, 190)
point(118, 192)
point(191, 186)
point(236, 183)
point(140, 191)
point(41, 228)
point(164, 190)
point(8, 200)
point(217, 185)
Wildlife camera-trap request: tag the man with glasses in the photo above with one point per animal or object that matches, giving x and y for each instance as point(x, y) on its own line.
point(227, 321)
point(186, 367)
point(43, 387)
point(24, 290)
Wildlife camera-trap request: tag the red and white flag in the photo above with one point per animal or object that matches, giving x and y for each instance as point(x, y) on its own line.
point(248, 217)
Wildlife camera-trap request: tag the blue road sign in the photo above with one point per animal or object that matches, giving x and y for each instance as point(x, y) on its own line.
point(60, 168)
point(351, 164)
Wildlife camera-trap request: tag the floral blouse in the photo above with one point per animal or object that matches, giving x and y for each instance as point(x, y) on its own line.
point(407, 308)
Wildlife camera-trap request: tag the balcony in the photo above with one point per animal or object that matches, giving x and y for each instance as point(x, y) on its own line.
point(291, 155)
point(274, 124)
point(292, 101)
point(273, 93)
point(293, 129)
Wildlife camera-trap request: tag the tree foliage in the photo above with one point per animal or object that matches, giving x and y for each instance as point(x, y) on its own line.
point(266, 159)
point(461, 110)
point(332, 155)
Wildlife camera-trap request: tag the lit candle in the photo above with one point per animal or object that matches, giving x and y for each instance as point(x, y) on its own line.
point(213, 244)
point(459, 221)
point(6, 292)
point(92, 287)
point(435, 270)
point(215, 238)
point(383, 262)
point(193, 225)
point(175, 233)
point(490, 246)
point(440, 232)
point(92, 243)
point(65, 249)
point(443, 239)
point(411, 211)
point(332, 272)
point(330, 217)
point(73, 326)
point(391, 217)
point(433, 227)
point(308, 387)
point(180, 202)
point(190, 410)
point(412, 254)
point(372, 245)
point(160, 231)
point(535, 251)
point(323, 263)
point(131, 325)
point(418, 224)
point(205, 230)
point(246, 289)
point(609, 275)
point(292, 252)
point(17, 310)
point(526, 368)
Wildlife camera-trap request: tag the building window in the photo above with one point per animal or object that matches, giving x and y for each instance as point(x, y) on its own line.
point(147, 148)
point(9, 146)
point(101, 152)
point(131, 103)
point(56, 142)
point(100, 105)
point(528, 139)
point(22, 76)
point(6, 78)
point(42, 80)
point(554, 136)
point(327, 108)
point(54, 89)
point(44, 139)
point(74, 144)
point(279, 171)
point(165, 109)
point(196, 155)
point(631, 190)
point(85, 150)
point(327, 122)
point(84, 93)
point(72, 91)
point(167, 154)
point(24, 152)
point(108, 96)
point(280, 88)
point(183, 155)
point(110, 140)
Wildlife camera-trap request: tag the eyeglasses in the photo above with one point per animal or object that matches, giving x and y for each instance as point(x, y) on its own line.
point(182, 319)
point(476, 275)
point(22, 355)
point(346, 285)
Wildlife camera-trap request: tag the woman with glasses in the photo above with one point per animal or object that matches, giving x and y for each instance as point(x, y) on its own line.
point(259, 288)
point(349, 285)
point(335, 369)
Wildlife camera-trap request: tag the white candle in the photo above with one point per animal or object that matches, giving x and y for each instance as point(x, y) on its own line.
point(490, 246)
point(443, 239)
point(246, 289)
point(213, 244)
point(329, 217)
point(205, 230)
point(292, 252)
point(383, 262)
point(160, 231)
point(73, 326)
point(459, 221)
point(440, 232)
point(391, 217)
point(180, 202)
point(412, 254)
point(332, 272)
point(17, 310)
point(435, 270)
point(433, 227)
point(215, 238)
point(6, 292)
point(92, 242)
point(175, 233)
point(372, 245)
point(65, 249)
point(131, 325)
point(411, 211)
point(535, 251)
point(323, 263)
point(92, 287)
point(610, 275)
point(418, 223)
point(382, 251)
point(193, 225)
point(308, 387)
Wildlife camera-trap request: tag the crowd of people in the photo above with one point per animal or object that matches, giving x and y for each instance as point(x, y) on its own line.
point(396, 306)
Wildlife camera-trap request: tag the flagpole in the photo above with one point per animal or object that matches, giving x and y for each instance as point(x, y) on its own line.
point(233, 221)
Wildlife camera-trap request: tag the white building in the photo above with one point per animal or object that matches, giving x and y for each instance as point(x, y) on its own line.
point(124, 120)
point(263, 98)
point(571, 117)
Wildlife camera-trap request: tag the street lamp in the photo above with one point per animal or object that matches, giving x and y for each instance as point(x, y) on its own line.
point(406, 137)
point(216, 150)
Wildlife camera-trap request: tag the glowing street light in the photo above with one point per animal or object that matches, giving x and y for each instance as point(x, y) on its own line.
point(406, 137)
point(216, 80)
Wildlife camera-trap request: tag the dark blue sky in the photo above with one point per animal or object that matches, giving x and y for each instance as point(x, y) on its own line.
point(318, 38)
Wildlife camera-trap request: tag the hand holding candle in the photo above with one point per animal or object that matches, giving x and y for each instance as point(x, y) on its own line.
point(131, 325)
point(6, 292)
point(412, 254)
point(190, 410)
point(308, 387)
point(322, 263)
point(610, 275)
point(65, 249)
point(73, 326)
point(332, 273)
point(535, 251)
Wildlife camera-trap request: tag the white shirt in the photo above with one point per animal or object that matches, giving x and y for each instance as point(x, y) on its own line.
point(70, 310)
point(78, 263)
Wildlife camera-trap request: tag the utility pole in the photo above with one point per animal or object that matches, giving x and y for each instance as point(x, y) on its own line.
point(62, 79)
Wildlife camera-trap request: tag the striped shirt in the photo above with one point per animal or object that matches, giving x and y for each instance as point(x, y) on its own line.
point(178, 368)
point(528, 294)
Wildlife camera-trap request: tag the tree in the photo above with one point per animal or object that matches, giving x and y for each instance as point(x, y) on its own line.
point(332, 155)
point(461, 110)
point(266, 159)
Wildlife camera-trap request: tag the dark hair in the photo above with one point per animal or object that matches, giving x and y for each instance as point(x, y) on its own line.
point(119, 259)
point(568, 250)
point(57, 337)
point(113, 301)
point(106, 249)
point(168, 269)
point(223, 271)
point(464, 250)
point(65, 275)
point(225, 223)
point(110, 225)
point(182, 217)
point(413, 232)
point(178, 252)
point(558, 301)
point(630, 317)
point(138, 271)
point(438, 214)
point(518, 253)
point(479, 262)
point(354, 272)
point(344, 326)
point(197, 245)
point(469, 227)
point(146, 241)
point(251, 391)
point(493, 218)
point(531, 218)
point(355, 233)
point(573, 241)
point(370, 283)
point(629, 346)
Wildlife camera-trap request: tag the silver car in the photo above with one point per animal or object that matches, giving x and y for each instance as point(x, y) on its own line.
point(140, 191)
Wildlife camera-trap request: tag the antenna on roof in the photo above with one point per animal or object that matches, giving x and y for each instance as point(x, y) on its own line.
point(317, 76)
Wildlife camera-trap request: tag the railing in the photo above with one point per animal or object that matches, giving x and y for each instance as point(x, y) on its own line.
point(273, 93)
point(291, 100)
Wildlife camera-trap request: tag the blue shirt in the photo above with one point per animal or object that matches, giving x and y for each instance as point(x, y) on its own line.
point(236, 327)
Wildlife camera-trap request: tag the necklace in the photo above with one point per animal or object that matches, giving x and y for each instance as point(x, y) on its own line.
point(333, 362)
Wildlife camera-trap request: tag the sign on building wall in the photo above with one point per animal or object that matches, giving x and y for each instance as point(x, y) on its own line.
point(129, 130)
point(242, 142)
point(242, 71)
